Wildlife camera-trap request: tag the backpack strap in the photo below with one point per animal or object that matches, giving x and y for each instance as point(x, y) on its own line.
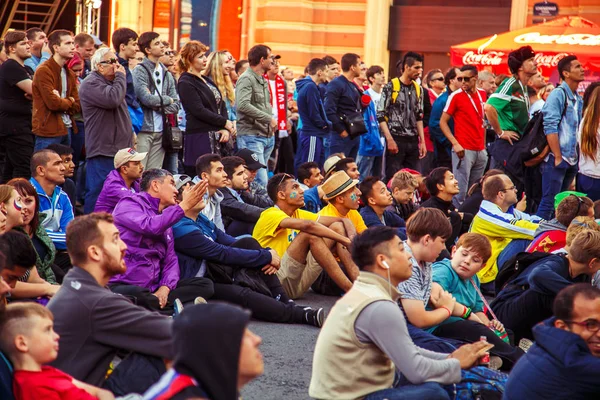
point(395, 89)
point(417, 88)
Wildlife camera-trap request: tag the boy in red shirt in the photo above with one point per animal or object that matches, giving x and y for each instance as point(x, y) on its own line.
point(28, 339)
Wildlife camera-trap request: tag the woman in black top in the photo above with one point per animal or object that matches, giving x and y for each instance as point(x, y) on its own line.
point(207, 125)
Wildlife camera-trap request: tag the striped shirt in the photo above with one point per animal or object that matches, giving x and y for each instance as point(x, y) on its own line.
point(418, 286)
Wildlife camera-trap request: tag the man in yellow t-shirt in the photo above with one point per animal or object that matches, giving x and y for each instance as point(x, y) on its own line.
point(303, 240)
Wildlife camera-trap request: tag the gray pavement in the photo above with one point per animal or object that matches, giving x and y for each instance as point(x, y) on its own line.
point(288, 353)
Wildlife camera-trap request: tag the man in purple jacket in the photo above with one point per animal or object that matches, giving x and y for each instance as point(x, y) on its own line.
point(123, 181)
point(144, 221)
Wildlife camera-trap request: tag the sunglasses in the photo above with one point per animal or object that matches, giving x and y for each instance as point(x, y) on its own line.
point(169, 53)
point(284, 177)
point(438, 79)
point(109, 61)
point(466, 78)
point(579, 203)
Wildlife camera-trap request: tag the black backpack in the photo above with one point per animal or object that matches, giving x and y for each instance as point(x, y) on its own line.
point(515, 266)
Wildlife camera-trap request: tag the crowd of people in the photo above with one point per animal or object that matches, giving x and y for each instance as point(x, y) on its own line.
point(153, 201)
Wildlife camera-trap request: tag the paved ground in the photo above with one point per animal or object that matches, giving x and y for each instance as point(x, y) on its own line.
point(288, 353)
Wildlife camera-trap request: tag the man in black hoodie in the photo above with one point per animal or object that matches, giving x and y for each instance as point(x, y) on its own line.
point(219, 365)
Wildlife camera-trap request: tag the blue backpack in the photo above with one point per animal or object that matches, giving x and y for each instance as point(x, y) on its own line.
point(478, 383)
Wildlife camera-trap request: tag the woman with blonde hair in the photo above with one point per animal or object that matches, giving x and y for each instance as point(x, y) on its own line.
point(207, 124)
point(588, 178)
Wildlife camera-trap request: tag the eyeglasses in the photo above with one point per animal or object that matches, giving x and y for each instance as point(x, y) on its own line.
point(513, 187)
point(579, 203)
point(465, 78)
point(109, 61)
point(590, 325)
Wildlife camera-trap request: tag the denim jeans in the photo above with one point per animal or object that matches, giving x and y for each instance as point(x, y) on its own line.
point(369, 166)
point(262, 147)
point(338, 144)
point(467, 171)
point(428, 390)
point(43, 142)
point(97, 169)
point(554, 180)
point(589, 186)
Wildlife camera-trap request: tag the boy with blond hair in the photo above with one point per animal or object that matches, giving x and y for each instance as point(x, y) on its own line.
point(28, 339)
point(403, 186)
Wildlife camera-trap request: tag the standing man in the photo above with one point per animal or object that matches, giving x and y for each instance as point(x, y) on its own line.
point(343, 98)
point(15, 107)
point(486, 81)
point(39, 48)
point(55, 97)
point(126, 47)
point(84, 45)
point(400, 115)
point(469, 156)
point(315, 125)
point(156, 91)
point(256, 125)
point(333, 71)
point(442, 146)
point(562, 116)
point(107, 122)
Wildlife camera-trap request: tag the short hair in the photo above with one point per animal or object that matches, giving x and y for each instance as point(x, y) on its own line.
point(479, 185)
point(153, 174)
point(564, 302)
point(348, 60)
point(597, 209)
point(239, 65)
point(145, 39)
point(304, 170)
point(84, 232)
point(82, 38)
point(40, 159)
point(410, 58)
point(430, 75)
point(342, 165)
point(366, 188)
point(578, 225)
point(373, 69)
point(12, 38)
point(329, 60)
point(436, 177)
point(450, 75)
point(18, 249)
point(122, 36)
point(60, 149)
point(315, 65)
point(469, 67)
point(428, 221)
point(16, 319)
point(98, 56)
point(367, 245)
point(476, 242)
point(25, 188)
point(585, 247)
point(404, 180)
point(492, 186)
point(204, 163)
point(231, 163)
point(276, 184)
point(485, 75)
point(256, 53)
point(55, 37)
point(32, 32)
point(573, 206)
point(189, 51)
point(564, 65)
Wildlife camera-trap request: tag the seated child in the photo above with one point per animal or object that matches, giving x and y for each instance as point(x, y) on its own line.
point(458, 276)
point(28, 339)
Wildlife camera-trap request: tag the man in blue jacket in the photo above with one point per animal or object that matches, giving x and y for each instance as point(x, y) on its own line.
point(315, 125)
point(564, 361)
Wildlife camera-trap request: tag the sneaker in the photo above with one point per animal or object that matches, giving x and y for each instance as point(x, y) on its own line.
point(177, 307)
point(495, 363)
point(314, 317)
point(200, 300)
point(525, 344)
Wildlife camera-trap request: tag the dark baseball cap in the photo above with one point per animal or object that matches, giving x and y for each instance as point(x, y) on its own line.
point(251, 159)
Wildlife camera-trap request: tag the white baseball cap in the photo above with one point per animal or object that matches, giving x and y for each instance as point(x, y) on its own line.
point(123, 156)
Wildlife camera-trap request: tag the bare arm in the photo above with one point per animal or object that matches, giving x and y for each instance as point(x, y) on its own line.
point(100, 394)
point(34, 287)
point(492, 116)
point(313, 228)
point(421, 318)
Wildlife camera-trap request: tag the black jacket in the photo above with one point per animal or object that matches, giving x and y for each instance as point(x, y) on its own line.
point(459, 224)
point(234, 210)
point(342, 98)
point(200, 105)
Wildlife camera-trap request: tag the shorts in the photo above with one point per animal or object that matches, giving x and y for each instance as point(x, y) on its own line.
point(296, 277)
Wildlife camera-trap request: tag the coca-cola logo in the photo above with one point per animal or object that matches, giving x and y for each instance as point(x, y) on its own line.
point(550, 60)
point(581, 39)
point(489, 58)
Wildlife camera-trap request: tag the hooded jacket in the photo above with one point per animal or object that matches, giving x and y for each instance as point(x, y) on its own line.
point(558, 366)
point(208, 368)
point(548, 237)
point(151, 260)
point(113, 190)
point(311, 109)
point(55, 214)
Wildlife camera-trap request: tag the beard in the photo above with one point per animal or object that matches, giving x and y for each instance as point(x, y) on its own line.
point(113, 265)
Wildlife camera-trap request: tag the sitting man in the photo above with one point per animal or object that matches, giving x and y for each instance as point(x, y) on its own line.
point(376, 199)
point(55, 208)
point(563, 362)
point(527, 298)
point(239, 218)
point(144, 221)
point(94, 323)
point(256, 194)
point(443, 187)
point(29, 341)
point(347, 164)
point(199, 245)
point(366, 334)
point(551, 235)
point(403, 186)
point(123, 181)
point(503, 225)
point(309, 175)
point(209, 168)
point(304, 241)
point(458, 277)
point(66, 154)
